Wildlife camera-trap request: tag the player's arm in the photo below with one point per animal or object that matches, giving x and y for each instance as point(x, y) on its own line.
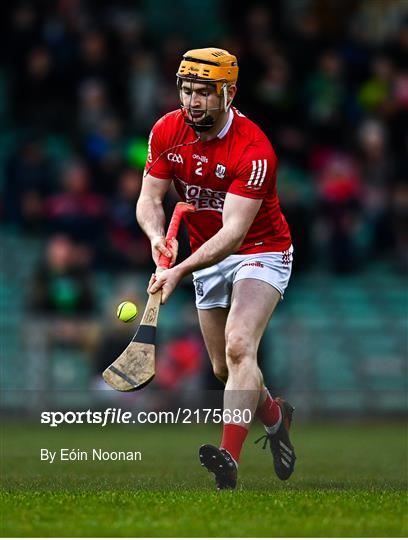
point(238, 216)
point(151, 217)
point(254, 176)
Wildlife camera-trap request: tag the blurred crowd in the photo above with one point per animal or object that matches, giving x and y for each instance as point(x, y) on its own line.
point(327, 81)
point(83, 81)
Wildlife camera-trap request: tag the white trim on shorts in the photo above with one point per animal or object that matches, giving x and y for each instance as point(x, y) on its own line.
point(213, 285)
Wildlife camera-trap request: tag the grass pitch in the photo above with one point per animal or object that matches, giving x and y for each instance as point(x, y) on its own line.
point(349, 481)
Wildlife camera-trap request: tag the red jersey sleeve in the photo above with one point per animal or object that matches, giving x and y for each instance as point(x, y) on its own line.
point(159, 167)
point(256, 173)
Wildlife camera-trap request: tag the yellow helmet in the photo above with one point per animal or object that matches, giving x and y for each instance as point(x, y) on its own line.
point(210, 65)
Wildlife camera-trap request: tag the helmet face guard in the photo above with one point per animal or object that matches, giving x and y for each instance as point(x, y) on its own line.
point(208, 121)
point(210, 66)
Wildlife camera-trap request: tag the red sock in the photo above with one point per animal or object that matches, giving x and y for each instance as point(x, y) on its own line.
point(269, 412)
point(233, 437)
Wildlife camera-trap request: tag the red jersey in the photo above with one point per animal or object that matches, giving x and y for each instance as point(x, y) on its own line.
point(239, 160)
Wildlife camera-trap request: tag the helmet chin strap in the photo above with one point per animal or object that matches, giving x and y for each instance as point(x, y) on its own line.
point(208, 121)
point(204, 125)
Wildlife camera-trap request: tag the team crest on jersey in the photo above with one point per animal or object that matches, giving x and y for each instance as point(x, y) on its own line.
point(220, 171)
point(199, 287)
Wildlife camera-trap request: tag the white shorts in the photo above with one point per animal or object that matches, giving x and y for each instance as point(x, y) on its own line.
point(213, 285)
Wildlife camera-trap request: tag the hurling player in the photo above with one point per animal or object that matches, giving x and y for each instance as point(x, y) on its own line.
point(241, 260)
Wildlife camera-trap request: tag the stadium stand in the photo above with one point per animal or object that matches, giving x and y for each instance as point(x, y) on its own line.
point(80, 86)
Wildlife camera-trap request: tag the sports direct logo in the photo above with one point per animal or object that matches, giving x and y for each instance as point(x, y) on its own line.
point(203, 198)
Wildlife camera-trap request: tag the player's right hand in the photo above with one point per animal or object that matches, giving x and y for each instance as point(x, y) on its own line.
point(168, 249)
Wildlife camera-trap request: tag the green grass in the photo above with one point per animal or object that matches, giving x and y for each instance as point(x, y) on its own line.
point(349, 481)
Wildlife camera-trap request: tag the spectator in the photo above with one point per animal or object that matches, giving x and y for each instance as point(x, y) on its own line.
point(105, 150)
point(376, 173)
point(62, 283)
point(128, 246)
point(274, 90)
point(77, 210)
point(375, 93)
point(325, 94)
point(93, 106)
point(94, 61)
point(29, 179)
point(143, 81)
point(37, 92)
point(340, 199)
point(180, 362)
point(22, 34)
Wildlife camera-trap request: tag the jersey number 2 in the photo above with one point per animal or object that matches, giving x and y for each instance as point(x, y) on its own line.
point(199, 169)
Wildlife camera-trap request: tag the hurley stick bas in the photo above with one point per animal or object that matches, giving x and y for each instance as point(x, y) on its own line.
point(135, 367)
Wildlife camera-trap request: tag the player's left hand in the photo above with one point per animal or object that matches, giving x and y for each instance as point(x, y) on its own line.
point(167, 280)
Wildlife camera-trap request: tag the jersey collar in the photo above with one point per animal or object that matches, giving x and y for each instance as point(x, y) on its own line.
point(225, 129)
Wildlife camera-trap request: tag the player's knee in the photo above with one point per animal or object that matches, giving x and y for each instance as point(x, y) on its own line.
point(221, 372)
point(238, 348)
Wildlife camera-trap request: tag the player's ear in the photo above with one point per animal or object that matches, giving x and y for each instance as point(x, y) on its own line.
point(231, 91)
